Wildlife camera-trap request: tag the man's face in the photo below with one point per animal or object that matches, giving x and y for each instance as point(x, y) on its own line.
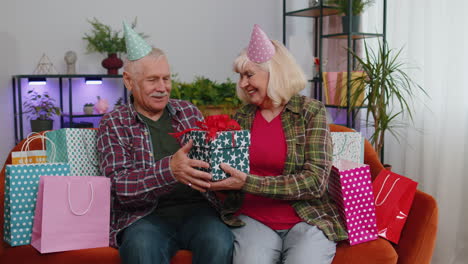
point(150, 85)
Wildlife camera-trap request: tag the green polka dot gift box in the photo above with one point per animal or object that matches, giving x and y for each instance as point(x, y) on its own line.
point(76, 146)
point(21, 183)
point(231, 147)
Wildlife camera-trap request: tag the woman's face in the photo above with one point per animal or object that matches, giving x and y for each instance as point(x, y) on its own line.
point(254, 81)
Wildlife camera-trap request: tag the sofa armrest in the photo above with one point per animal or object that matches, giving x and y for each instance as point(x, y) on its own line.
point(418, 237)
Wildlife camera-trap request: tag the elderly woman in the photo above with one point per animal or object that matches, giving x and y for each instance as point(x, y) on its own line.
point(282, 212)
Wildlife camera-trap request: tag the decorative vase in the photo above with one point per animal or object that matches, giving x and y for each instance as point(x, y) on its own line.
point(112, 63)
point(70, 59)
point(41, 125)
point(355, 26)
point(88, 110)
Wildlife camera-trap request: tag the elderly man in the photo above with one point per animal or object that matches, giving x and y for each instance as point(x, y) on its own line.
point(160, 202)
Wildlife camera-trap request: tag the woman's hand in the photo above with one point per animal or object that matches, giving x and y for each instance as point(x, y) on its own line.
point(235, 182)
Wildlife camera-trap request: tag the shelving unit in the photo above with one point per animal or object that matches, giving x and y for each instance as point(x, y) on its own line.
point(317, 13)
point(62, 86)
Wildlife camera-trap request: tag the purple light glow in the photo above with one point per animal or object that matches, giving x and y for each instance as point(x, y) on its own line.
point(94, 82)
point(37, 83)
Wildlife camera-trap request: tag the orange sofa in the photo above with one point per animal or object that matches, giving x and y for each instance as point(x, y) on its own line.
point(416, 243)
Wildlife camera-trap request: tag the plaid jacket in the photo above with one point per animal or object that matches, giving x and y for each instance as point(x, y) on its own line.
point(306, 171)
point(126, 157)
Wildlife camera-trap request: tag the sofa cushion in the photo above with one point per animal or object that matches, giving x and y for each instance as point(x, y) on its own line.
point(28, 254)
point(372, 252)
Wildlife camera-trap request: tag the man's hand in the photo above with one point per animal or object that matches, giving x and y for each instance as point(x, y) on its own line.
point(183, 169)
point(235, 182)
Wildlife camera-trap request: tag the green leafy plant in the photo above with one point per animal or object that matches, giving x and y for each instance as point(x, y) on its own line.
point(358, 6)
point(88, 104)
point(103, 39)
point(119, 101)
point(40, 106)
point(203, 91)
point(389, 91)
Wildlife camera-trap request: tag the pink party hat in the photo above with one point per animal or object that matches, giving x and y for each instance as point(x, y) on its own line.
point(260, 47)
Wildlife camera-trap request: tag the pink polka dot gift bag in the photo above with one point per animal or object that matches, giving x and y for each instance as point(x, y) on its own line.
point(350, 186)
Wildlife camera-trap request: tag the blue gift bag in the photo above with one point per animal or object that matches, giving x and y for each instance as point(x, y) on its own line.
point(21, 183)
point(76, 146)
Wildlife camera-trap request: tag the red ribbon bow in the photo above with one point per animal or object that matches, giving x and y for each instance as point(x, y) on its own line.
point(212, 124)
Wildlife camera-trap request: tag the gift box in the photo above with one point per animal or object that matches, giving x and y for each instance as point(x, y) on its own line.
point(348, 146)
point(231, 147)
point(350, 187)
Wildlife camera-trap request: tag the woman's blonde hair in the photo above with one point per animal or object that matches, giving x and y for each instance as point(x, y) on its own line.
point(286, 77)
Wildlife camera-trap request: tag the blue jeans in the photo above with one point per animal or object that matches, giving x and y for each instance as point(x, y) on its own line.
point(156, 238)
point(302, 244)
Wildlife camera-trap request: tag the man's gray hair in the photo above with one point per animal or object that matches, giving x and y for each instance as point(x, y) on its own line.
point(133, 68)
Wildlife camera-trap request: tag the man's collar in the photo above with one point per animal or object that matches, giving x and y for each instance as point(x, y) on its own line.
point(171, 107)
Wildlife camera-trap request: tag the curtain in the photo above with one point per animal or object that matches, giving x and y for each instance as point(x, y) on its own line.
point(433, 149)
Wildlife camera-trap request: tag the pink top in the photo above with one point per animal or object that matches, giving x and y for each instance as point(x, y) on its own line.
point(267, 156)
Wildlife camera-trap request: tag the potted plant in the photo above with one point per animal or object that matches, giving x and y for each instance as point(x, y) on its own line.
point(118, 103)
point(209, 96)
point(103, 39)
point(387, 88)
point(88, 108)
point(357, 7)
point(40, 109)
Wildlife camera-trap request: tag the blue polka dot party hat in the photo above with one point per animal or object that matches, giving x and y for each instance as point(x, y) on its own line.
point(137, 47)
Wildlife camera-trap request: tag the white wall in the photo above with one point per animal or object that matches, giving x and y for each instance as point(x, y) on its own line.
point(201, 37)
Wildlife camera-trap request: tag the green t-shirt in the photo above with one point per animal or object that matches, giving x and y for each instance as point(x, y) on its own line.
point(165, 145)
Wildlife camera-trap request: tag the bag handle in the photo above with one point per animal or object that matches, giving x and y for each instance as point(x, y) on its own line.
point(31, 137)
point(70, 203)
point(388, 193)
point(95, 164)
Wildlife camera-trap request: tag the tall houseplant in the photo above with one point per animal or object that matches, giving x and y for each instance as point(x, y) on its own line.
point(389, 91)
point(103, 39)
point(357, 7)
point(40, 109)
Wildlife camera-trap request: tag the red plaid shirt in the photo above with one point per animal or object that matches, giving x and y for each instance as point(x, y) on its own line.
point(126, 157)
